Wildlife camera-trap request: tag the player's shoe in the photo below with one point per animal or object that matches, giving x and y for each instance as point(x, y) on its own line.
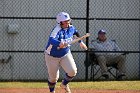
point(66, 87)
point(52, 92)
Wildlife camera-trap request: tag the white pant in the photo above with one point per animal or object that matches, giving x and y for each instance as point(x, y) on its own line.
point(53, 65)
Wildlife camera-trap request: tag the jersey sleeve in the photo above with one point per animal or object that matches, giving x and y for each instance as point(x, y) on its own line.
point(54, 36)
point(77, 34)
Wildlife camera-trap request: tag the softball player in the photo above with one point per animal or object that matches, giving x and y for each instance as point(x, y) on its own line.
point(58, 52)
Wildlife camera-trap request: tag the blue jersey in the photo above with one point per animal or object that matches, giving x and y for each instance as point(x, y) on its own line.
point(57, 36)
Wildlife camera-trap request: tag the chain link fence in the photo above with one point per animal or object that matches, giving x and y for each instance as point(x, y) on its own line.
point(26, 24)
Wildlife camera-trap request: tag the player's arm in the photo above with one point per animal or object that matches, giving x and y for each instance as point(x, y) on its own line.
point(82, 44)
point(77, 35)
point(54, 41)
point(54, 37)
point(57, 43)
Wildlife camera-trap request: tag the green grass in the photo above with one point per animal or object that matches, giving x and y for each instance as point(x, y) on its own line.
point(115, 85)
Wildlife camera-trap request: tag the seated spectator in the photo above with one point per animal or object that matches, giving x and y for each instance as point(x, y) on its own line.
point(108, 58)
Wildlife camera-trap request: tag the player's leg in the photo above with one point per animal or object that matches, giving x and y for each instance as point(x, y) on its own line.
point(70, 68)
point(53, 71)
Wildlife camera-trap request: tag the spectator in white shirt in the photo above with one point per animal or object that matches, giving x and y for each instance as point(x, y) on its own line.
point(106, 58)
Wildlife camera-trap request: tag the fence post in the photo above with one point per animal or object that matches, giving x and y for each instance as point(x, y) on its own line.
point(87, 31)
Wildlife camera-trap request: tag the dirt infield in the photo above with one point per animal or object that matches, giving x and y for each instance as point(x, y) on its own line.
point(58, 90)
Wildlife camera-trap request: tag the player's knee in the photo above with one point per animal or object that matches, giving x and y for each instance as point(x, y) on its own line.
point(72, 73)
point(53, 80)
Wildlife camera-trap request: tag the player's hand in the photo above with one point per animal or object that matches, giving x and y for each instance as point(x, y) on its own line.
point(83, 46)
point(63, 45)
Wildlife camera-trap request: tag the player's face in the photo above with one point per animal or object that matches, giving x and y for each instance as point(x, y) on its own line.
point(65, 24)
